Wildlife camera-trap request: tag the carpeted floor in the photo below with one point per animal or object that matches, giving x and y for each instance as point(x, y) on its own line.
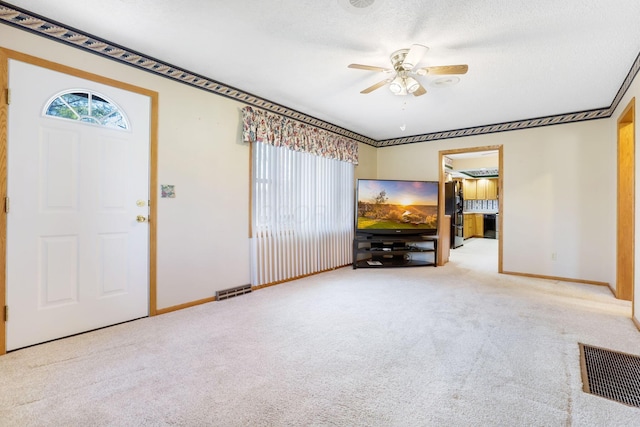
point(458, 345)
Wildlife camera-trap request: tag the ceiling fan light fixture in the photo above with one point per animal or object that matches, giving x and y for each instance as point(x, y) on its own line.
point(403, 63)
point(397, 86)
point(403, 91)
point(407, 65)
point(411, 84)
point(413, 56)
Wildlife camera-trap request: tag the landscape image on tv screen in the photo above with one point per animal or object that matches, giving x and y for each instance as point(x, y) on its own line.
point(397, 205)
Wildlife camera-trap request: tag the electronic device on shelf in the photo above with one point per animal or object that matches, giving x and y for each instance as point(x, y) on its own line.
point(397, 207)
point(412, 250)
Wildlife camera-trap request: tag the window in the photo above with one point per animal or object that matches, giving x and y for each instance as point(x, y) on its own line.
point(86, 107)
point(302, 213)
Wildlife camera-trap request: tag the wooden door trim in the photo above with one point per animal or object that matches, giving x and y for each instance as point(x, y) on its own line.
point(625, 212)
point(5, 56)
point(498, 148)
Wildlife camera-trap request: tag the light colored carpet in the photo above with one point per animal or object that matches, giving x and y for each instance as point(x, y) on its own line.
point(458, 345)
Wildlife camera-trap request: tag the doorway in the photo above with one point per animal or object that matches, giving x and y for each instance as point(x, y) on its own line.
point(78, 250)
point(443, 170)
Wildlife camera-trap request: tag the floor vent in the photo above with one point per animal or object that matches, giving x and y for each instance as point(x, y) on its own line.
point(232, 292)
point(610, 374)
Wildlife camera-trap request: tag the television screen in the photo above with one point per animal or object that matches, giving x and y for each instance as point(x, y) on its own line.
point(393, 206)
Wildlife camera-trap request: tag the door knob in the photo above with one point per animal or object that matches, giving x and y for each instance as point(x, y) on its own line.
point(141, 218)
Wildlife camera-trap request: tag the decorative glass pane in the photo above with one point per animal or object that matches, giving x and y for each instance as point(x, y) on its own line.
point(101, 108)
point(87, 107)
point(78, 101)
point(59, 109)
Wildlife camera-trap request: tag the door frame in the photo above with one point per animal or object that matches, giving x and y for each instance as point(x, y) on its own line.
point(625, 240)
point(442, 168)
point(5, 56)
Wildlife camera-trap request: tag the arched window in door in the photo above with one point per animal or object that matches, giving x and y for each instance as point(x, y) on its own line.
point(86, 107)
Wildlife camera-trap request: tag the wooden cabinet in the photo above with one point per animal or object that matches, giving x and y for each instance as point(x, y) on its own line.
point(469, 189)
point(473, 225)
point(492, 189)
point(479, 225)
point(468, 226)
point(480, 189)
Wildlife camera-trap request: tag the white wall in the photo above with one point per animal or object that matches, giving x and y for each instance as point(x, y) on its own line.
point(367, 162)
point(558, 195)
point(203, 243)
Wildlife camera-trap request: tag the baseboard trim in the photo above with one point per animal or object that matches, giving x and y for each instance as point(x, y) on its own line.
point(562, 279)
point(267, 285)
point(185, 305)
point(253, 288)
point(635, 322)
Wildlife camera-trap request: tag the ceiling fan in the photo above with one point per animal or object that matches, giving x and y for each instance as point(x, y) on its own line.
point(404, 63)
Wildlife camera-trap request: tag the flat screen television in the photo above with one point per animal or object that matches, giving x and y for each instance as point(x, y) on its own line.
point(396, 207)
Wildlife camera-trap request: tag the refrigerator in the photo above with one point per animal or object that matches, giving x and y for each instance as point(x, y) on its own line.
point(453, 205)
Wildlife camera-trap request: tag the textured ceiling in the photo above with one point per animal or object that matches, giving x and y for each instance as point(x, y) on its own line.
point(527, 59)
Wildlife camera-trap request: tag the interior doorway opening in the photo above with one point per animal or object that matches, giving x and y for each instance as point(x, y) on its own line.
point(447, 172)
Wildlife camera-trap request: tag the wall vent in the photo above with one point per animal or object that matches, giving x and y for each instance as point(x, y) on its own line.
point(232, 292)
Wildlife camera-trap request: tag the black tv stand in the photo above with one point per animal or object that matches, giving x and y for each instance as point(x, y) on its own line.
point(379, 251)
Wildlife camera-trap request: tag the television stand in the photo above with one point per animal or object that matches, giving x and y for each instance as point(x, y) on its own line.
point(379, 251)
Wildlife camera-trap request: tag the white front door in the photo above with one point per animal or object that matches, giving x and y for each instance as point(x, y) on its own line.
point(77, 258)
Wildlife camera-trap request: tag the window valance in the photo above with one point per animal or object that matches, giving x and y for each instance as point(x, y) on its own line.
point(274, 129)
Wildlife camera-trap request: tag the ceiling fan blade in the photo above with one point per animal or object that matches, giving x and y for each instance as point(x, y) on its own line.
point(415, 54)
point(369, 68)
point(375, 86)
point(420, 91)
point(444, 69)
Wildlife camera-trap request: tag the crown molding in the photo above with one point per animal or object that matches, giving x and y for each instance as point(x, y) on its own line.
point(500, 127)
point(53, 30)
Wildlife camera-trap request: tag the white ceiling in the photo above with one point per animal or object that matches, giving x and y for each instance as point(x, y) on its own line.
point(527, 59)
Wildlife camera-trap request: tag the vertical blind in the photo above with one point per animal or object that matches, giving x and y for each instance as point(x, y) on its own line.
point(302, 213)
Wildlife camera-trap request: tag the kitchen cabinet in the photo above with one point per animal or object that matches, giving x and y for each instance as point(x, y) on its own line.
point(492, 189)
point(480, 189)
point(469, 225)
point(478, 230)
point(473, 225)
point(469, 189)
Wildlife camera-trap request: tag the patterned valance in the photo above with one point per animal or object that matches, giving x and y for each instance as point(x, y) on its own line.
point(263, 126)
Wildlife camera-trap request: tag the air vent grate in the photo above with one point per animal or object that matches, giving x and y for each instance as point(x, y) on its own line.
point(610, 374)
point(232, 292)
